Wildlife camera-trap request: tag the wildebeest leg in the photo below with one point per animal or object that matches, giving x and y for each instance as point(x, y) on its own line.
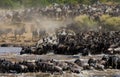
point(114, 62)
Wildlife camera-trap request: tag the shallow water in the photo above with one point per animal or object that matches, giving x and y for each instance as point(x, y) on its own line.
point(10, 50)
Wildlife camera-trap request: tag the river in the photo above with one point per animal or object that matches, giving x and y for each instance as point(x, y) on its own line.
point(7, 50)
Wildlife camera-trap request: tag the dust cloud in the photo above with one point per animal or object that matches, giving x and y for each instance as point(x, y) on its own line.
point(50, 25)
point(36, 24)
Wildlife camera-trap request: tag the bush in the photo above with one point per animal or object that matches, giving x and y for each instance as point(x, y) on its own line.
point(112, 23)
point(106, 21)
point(85, 22)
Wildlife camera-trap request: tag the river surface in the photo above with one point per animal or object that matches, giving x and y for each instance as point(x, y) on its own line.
point(4, 50)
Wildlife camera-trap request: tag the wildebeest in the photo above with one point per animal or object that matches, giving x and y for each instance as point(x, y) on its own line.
point(91, 42)
point(112, 61)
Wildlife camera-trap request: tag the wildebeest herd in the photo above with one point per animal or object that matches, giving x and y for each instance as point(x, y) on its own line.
point(68, 42)
point(56, 66)
point(58, 10)
point(54, 11)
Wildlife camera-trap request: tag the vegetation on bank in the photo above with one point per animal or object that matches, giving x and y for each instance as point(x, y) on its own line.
point(110, 22)
point(29, 3)
point(107, 21)
point(85, 20)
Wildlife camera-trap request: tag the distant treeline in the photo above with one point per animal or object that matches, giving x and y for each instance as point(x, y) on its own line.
point(33, 3)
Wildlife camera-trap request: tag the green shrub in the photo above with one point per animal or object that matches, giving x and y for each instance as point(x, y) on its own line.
point(111, 22)
point(84, 20)
point(107, 22)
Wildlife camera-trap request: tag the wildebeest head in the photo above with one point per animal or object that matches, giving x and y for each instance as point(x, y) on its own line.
point(105, 57)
